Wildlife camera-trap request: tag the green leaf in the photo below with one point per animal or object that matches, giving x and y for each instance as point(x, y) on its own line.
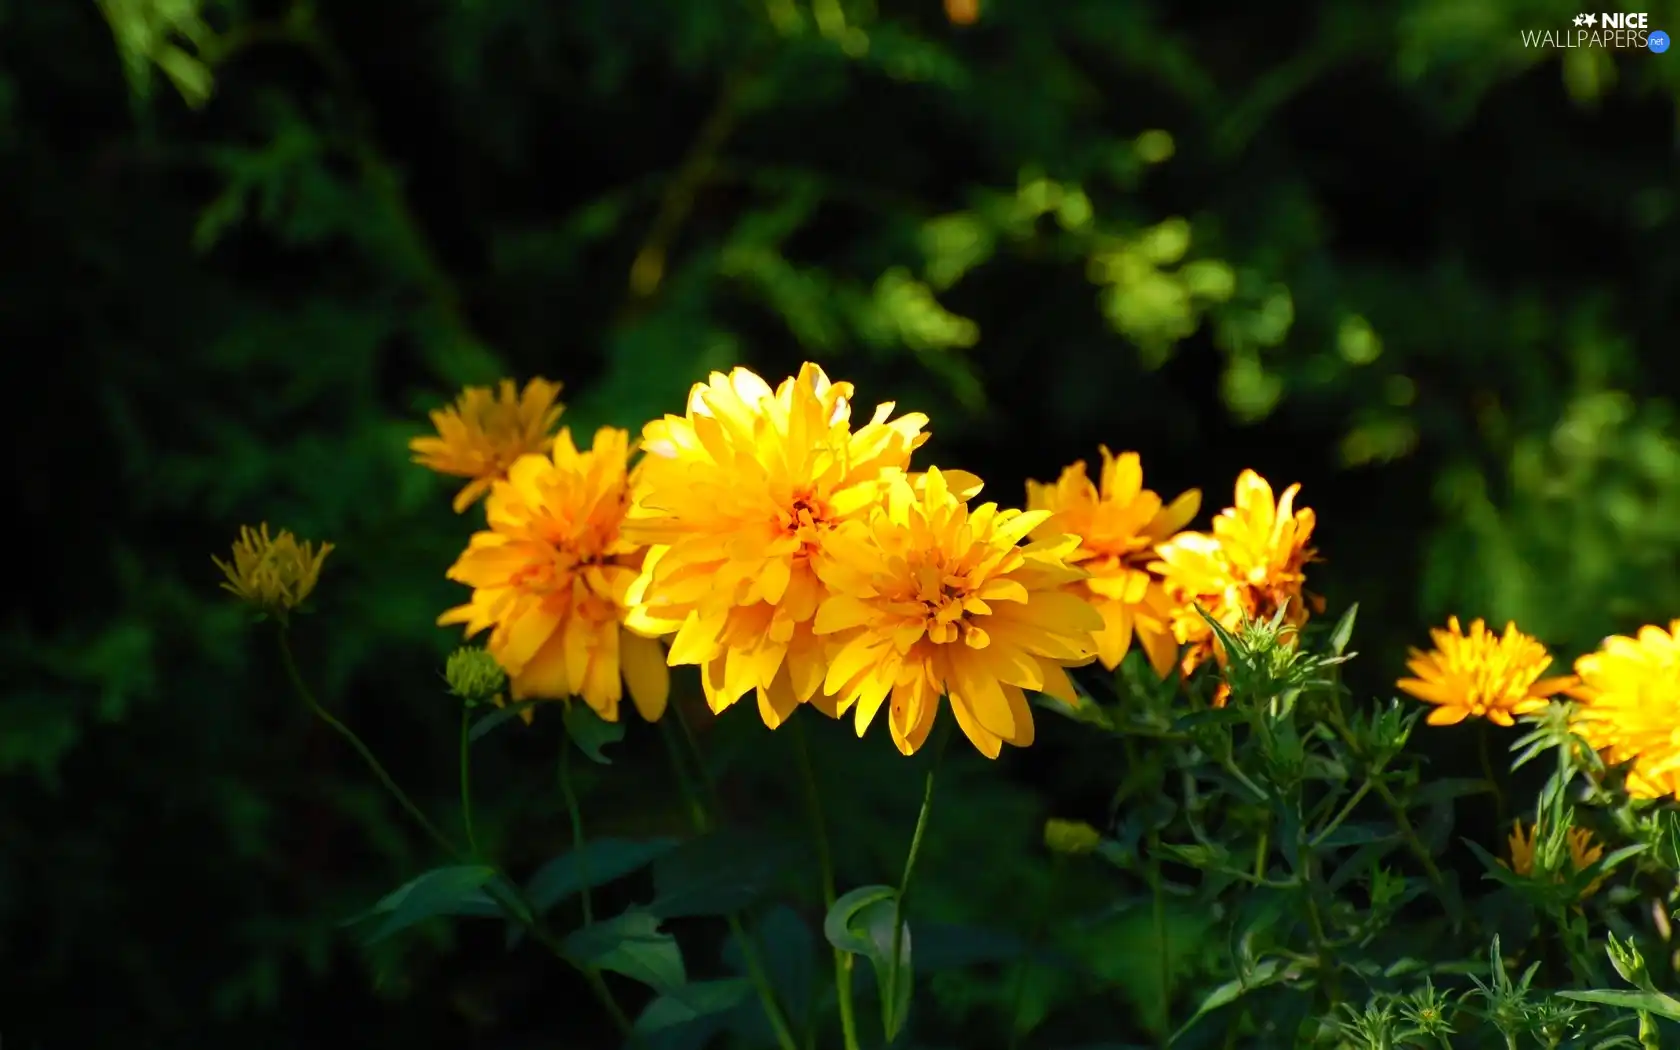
point(457, 890)
point(861, 922)
point(1665, 1006)
point(1266, 972)
point(1497, 871)
point(631, 944)
point(691, 1002)
point(1615, 860)
point(500, 716)
point(599, 862)
point(838, 924)
point(590, 732)
point(715, 874)
point(1448, 789)
point(1227, 641)
point(1670, 841)
point(790, 956)
point(1342, 633)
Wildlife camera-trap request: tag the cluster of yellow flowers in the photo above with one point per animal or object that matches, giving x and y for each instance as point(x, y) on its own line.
point(789, 552)
point(764, 538)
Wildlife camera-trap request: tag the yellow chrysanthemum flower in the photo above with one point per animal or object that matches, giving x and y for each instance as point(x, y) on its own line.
point(1119, 525)
point(1584, 852)
point(482, 433)
point(550, 577)
point(740, 494)
point(1629, 707)
point(1481, 674)
point(1247, 568)
point(929, 598)
point(273, 573)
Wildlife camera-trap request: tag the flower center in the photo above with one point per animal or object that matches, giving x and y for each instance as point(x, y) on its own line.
point(944, 601)
point(806, 518)
point(553, 572)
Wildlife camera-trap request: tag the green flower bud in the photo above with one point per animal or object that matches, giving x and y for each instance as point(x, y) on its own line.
point(1073, 837)
point(1625, 957)
point(474, 676)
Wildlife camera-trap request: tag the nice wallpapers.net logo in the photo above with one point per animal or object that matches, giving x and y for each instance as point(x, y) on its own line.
point(1612, 30)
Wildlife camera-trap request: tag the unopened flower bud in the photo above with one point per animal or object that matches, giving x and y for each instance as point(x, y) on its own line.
point(1074, 837)
point(474, 676)
point(1625, 957)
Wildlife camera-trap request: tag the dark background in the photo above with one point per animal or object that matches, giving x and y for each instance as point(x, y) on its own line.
point(247, 249)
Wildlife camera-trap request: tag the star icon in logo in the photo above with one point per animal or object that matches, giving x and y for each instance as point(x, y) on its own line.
point(1580, 20)
point(1591, 19)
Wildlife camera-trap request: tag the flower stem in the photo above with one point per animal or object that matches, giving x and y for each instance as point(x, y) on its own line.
point(697, 809)
point(1483, 733)
point(889, 999)
point(1408, 831)
point(511, 899)
point(575, 812)
point(355, 741)
point(825, 859)
point(674, 748)
point(466, 781)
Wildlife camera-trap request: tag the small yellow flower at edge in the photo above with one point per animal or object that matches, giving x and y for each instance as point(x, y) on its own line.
point(1583, 852)
point(273, 573)
point(1119, 524)
point(482, 433)
point(1627, 705)
point(1481, 674)
point(549, 579)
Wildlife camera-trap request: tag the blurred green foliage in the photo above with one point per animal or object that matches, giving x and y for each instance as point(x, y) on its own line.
point(1383, 250)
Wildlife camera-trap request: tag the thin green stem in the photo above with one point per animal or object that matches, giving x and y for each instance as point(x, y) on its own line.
point(1346, 811)
point(575, 811)
point(502, 889)
point(308, 697)
point(889, 1000)
point(466, 781)
point(702, 821)
point(761, 980)
point(677, 203)
point(825, 861)
point(697, 809)
point(1327, 964)
point(1402, 819)
point(1484, 754)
